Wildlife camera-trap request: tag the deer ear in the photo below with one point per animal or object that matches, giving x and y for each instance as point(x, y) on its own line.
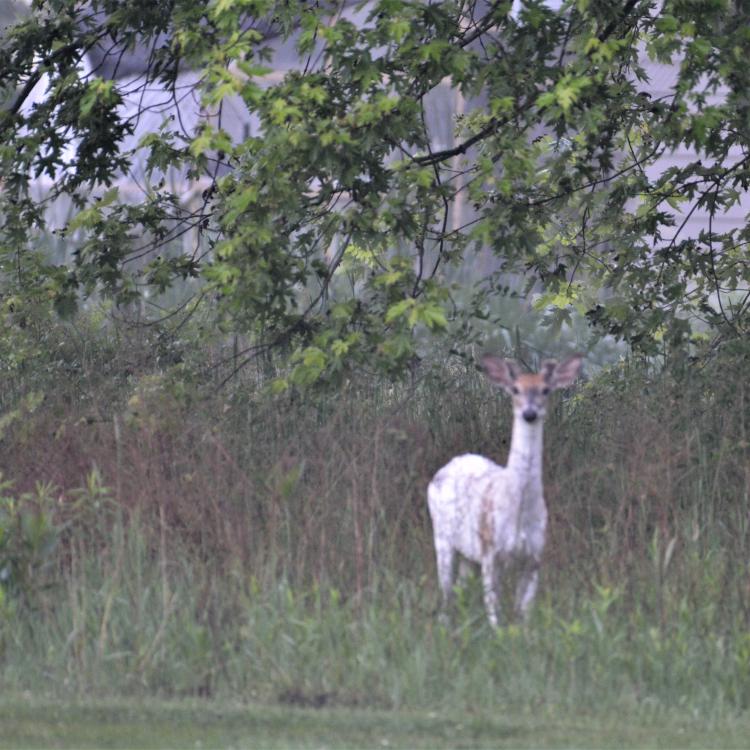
point(561, 374)
point(502, 372)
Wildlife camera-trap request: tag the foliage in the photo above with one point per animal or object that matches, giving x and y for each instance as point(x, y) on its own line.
point(277, 549)
point(333, 228)
point(28, 539)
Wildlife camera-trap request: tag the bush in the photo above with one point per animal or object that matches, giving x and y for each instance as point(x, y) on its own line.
point(188, 541)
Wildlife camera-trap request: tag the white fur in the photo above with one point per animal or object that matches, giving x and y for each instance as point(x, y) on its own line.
point(493, 514)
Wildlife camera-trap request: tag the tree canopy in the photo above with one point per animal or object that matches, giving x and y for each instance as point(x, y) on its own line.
point(331, 225)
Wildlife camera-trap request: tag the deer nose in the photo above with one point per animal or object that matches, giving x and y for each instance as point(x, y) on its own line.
point(529, 415)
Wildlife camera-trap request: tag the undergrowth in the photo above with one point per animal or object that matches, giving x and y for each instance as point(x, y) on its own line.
point(177, 540)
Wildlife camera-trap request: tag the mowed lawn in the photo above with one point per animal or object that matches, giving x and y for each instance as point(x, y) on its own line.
point(26, 722)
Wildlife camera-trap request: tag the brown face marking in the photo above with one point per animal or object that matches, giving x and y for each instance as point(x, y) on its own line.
point(530, 380)
point(531, 388)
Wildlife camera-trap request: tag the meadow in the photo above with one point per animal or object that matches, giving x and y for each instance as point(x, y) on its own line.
point(169, 548)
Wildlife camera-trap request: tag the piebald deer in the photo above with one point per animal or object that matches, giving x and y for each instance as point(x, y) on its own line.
point(493, 514)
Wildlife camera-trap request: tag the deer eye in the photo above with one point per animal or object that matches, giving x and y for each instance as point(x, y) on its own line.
point(515, 390)
point(545, 391)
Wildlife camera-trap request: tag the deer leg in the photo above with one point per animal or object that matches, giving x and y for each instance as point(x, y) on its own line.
point(490, 585)
point(445, 555)
point(526, 589)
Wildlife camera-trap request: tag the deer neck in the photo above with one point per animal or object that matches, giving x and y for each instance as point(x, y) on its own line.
point(525, 457)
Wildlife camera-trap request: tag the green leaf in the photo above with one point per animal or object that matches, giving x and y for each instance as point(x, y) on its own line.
point(399, 309)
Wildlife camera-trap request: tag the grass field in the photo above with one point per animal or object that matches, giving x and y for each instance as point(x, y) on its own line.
point(244, 570)
point(30, 723)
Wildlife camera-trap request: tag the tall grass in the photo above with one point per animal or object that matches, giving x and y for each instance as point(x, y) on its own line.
point(278, 548)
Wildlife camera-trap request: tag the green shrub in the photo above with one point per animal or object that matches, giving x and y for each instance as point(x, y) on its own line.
point(193, 542)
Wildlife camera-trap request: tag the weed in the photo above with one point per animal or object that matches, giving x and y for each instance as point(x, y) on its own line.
point(277, 548)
